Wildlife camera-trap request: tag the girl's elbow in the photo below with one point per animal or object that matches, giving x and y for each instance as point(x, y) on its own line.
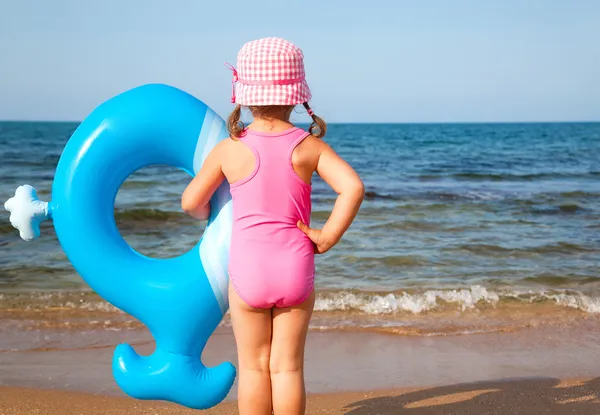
point(359, 189)
point(187, 205)
point(354, 189)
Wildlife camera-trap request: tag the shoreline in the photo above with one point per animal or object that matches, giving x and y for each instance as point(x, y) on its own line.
point(35, 320)
point(510, 396)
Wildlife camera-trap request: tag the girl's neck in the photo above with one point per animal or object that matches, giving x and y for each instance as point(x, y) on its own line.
point(270, 125)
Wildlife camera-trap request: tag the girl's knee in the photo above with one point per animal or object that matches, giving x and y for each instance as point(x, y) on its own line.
point(258, 362)
point(285, 364)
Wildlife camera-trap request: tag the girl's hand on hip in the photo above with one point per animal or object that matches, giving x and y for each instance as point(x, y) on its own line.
point(315, 236)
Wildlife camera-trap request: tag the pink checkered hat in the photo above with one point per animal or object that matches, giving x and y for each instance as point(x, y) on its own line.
point(270, 72)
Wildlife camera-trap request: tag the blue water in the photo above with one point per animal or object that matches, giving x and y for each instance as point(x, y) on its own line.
point(455, 214)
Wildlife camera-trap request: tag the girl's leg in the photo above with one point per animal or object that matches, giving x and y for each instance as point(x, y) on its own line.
point(290, 326)
point(252, 330)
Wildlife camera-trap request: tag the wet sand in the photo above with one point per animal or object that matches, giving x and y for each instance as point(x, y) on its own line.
point(348, 372)
point(345, 361)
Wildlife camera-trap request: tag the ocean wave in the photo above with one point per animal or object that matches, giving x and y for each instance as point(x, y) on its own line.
point(370, 195)
point(135, 215)
point(535, 201)
point(149, 215)
point(560, 280)
point(404, 302)
point(538, 202)
point(507, 177)
point(435, 312)
point(56, 301)
point(578, 194)
point(138, 184)
point(415, 226)
point(468, 299)
point(428, 195)
point(6, 228)
point(576, 301)
point(16, 276)
point(473, 298)
point(388, 260)
point(564, 209)
point(560, 248)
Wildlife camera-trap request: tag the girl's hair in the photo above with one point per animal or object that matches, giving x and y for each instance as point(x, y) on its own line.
point(236, 127)
point(234, 124)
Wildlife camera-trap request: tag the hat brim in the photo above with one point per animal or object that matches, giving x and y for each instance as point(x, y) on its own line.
point(293, 94)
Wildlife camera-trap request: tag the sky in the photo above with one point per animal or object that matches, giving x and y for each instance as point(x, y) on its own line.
point(366, 61)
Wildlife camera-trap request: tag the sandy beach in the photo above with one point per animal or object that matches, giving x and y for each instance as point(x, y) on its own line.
point(536, 371)
point(522, 396)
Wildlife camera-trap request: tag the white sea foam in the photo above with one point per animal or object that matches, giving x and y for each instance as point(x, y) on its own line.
point(578, 301)
point(463, 299)
point(414, 303)
point(481, 195)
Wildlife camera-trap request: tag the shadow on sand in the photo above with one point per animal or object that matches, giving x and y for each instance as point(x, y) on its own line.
point(505, 397)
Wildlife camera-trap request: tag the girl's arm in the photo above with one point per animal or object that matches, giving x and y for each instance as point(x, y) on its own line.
point(195, 200)
point(350, 189)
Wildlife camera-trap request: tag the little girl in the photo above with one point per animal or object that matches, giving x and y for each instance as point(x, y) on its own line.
point(269, 166)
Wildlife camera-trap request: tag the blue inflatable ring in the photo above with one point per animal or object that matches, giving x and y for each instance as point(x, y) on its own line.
point(181, 300)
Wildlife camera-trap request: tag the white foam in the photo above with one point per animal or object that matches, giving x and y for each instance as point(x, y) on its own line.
point(372, 304)
point(482, 195)
point(468, 298)
point(464, 299)
point(413, 303)
point(578, 301)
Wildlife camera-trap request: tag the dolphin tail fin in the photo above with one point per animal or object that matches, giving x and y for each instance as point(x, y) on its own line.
point(172, 377)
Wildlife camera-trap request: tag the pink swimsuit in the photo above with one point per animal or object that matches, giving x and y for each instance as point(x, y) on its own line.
point(271, 261)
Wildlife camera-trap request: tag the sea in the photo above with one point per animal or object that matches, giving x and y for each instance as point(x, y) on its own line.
point(465, 229)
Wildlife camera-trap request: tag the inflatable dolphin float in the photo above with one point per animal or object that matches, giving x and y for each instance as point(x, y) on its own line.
point(181, 300)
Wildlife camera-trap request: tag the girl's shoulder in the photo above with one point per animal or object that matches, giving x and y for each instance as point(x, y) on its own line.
point(226, 149)
point(310, 150)
point(316, 144)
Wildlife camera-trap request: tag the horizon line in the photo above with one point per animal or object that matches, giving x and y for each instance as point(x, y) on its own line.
point(356, 122)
